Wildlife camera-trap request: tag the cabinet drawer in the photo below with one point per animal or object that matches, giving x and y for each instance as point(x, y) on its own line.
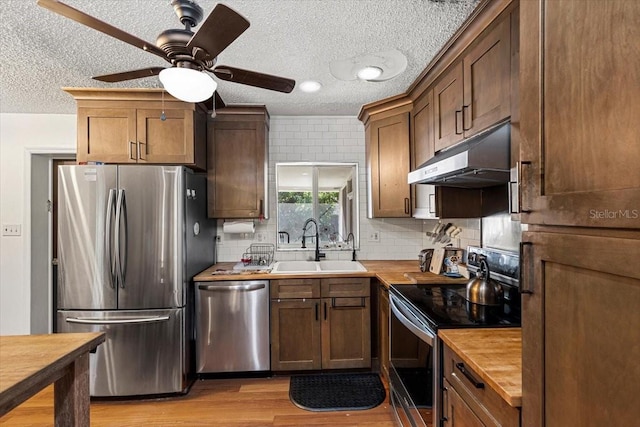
point(295, 288)
point(481, 398)
point(348, 287)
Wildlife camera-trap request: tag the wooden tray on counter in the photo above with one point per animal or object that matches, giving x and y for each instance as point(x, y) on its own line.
point(433, 279)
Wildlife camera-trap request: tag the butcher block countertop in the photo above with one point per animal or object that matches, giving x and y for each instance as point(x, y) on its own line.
point(493, 353)
point(391, 272)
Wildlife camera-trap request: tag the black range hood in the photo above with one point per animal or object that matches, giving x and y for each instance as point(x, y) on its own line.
point(482, 161)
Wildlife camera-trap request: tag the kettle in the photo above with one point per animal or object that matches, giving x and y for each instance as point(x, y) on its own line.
point(482, 289)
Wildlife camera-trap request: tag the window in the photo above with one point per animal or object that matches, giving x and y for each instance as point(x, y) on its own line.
point(326, 192)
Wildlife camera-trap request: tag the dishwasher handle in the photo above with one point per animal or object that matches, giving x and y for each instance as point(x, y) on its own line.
point(229, 288)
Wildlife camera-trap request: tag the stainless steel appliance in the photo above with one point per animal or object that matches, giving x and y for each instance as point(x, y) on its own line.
point(482, 161)
point(130, 240)
point(232, 326)
point(418, 311)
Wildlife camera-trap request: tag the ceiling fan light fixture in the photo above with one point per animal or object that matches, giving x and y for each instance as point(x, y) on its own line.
point(369, 72)
point(310, 86)
point(187, 84)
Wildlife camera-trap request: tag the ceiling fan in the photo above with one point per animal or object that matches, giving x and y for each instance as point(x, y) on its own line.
point(188, 52)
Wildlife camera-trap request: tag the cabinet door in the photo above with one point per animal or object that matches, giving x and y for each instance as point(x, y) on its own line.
point(295, 335)
point(447, 107)
point(346, 333)
point(422, 130)
point(237, 166)
point(457, 412)
point(580, 334)
point(487, 80)
point(579, 108)
point(389, 167)
point(107, 135)
point(168, 141)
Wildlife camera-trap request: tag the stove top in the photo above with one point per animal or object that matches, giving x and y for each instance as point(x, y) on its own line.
point(445, 306)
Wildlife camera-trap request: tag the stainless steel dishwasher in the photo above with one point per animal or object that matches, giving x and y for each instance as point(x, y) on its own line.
point(232, 326)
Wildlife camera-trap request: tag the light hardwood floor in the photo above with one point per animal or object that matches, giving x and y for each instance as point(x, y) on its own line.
point(227, 402)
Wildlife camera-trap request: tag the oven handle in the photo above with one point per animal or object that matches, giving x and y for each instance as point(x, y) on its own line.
point(424, 334)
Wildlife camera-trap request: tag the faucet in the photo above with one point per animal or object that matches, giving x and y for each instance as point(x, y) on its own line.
point(318, 254)
point(353, 245)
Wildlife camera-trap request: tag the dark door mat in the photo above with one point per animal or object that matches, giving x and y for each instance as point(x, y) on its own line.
point(336, 392)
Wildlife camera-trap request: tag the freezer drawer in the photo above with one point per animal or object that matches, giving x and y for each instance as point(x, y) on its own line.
point(144, 351)
point(232, 326)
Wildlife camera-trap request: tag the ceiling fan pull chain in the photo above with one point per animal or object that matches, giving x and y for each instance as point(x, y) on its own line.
point(163, 116)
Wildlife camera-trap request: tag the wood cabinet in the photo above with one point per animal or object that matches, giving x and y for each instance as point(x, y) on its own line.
point(383, 330)
point(238, 163)
point(388, 164)
point(137, 126)
point(320, 324)
point(580, 192)
point(579, 160)
point(579, 348)
point(422, 149)
point(474, 93)
point(468, 401)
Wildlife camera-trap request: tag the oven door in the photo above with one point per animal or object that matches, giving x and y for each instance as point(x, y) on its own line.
point(413, 371)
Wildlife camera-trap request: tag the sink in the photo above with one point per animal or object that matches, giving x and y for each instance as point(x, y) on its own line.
point(338, 265)
point(296, 267)
point(313, 267)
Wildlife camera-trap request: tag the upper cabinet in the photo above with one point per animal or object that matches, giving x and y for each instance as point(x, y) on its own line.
point(238, 157)
point(388, 160)
point(580, 100)
point(475, 92)
point(139, 126)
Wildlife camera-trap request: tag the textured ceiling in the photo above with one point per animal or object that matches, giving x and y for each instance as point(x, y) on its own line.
point(42, 51)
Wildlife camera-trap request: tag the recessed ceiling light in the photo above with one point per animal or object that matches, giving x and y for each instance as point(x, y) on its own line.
point(310, 86)
point(369, 73)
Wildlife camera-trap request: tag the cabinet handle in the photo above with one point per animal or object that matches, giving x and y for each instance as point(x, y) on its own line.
point(325, 310)
point(520, 175)
point(466, 108)
point(133, 149)
point(406, 205)
point(463, 369)
point(445, 405)
point(316, 312)
point(142, 151)
point(432, 203)
point(525, 260)
point(458, 112)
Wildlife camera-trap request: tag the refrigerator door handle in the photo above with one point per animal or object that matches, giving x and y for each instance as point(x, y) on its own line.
point(126, 321)
point(121, 262)
point(108, 237)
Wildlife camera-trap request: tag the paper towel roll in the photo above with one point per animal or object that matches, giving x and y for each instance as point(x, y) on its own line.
point(239, 227)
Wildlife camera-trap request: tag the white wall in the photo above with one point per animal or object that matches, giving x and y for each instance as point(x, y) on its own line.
point(21, 136)
point(336, 139)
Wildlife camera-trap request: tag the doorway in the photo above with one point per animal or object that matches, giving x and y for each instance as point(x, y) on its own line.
point(43, 225)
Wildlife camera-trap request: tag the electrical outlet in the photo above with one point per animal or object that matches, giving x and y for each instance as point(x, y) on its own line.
point(374, 236)
point(11, 229)
point(219, 239)
point(260, 237)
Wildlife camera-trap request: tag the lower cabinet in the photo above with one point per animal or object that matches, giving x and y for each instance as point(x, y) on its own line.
point(467, 401)
point(320, 324)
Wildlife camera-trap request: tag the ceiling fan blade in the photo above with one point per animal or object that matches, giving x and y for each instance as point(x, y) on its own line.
point(219, 30)
point(252, 78)
point(96, 24)
point(215, 102)
point(129, 75)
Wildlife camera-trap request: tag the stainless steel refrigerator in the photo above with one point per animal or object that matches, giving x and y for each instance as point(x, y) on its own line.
point(130, 239)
